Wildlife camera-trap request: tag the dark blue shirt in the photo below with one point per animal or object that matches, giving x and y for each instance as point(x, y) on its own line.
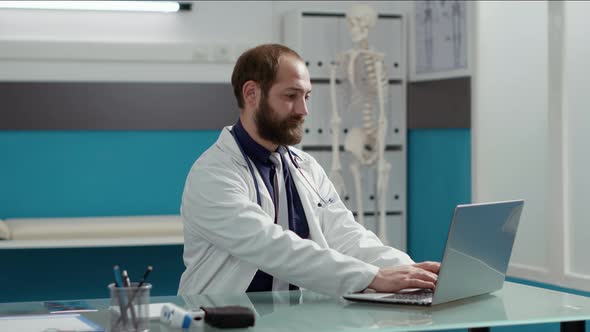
point(297, 220)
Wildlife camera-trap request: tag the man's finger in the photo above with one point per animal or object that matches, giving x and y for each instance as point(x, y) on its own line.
point(417, 283)
point(425, 275)
point(433, 267)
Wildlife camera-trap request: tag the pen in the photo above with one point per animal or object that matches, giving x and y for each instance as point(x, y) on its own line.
point(120, 295)
point(126, 280)
point(143, 280)
point(118, 277)
point(145, 275)
point(127, 283)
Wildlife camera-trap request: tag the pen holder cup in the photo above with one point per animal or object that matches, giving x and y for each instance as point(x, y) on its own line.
point(129, 310)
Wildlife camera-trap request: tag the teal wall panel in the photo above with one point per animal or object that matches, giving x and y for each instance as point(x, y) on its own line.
point(96, 173)
point(439, 178)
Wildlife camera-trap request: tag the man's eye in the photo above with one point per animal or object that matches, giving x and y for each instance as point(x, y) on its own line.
point(307, 97)
point(291, 96)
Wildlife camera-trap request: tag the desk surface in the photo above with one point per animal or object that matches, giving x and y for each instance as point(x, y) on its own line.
point(306, 311)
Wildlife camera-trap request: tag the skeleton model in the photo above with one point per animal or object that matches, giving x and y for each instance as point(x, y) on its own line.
point(363, 68)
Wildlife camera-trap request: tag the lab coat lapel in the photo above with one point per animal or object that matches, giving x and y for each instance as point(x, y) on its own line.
point(227, 142)
point(312, 212)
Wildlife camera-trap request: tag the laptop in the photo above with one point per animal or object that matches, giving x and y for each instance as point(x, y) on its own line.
point(475, 260)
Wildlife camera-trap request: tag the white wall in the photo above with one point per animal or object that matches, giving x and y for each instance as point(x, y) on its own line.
point(155, 44)
point(510, 118)
point(529, 131)
point(576, 106)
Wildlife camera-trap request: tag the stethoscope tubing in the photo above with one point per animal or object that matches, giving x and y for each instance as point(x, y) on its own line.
point(293, 157)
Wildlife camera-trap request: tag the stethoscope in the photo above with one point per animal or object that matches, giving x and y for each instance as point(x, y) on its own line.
point(323, 202)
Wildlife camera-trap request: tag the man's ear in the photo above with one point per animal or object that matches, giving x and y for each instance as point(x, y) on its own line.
point(251, 92)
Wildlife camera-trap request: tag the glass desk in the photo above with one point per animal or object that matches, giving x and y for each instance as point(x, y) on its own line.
point(306, 311)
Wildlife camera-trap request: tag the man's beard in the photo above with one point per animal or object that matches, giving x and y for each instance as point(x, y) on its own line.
point(288, 131)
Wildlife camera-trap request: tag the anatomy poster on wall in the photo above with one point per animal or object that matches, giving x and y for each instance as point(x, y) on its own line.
point(440, 39)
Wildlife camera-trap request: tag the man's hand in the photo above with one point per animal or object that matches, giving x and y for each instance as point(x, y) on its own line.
point(393, 279)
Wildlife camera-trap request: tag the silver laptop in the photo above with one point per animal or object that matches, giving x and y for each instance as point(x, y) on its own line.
point(475, 260)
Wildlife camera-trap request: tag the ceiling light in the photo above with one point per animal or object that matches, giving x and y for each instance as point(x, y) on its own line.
point(134, 6)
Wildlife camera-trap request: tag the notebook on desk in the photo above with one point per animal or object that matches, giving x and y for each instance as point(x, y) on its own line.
point(475, 260)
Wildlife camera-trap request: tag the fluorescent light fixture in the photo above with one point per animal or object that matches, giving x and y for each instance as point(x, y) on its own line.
point(134, 6)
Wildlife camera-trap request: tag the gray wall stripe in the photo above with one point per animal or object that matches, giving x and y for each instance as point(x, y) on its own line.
point(185, 106)
point(116, 106)
point(440, 104)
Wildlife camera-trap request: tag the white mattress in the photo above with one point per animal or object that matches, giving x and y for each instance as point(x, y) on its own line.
point(91, 227)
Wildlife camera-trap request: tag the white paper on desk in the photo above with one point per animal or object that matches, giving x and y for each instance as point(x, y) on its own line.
point(39, 323)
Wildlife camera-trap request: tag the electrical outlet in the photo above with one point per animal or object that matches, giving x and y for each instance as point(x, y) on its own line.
point(201, 53)
point(222, 53)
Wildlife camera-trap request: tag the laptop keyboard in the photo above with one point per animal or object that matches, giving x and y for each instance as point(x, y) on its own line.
point(419, 295)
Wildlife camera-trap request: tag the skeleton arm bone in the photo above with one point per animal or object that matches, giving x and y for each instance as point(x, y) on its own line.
point(356, 175)
point(336, 169)
point(383, 167)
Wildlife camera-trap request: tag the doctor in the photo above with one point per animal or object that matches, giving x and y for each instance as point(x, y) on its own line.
point(260, 215)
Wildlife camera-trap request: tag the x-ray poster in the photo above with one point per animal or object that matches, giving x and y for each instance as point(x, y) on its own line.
point(440, 36)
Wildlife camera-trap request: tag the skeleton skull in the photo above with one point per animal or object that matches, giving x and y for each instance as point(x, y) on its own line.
point(360, 19)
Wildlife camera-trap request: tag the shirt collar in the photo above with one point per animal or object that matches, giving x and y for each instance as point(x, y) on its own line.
point(251, 147)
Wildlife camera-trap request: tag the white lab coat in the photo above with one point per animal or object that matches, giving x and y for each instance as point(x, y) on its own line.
point(228, 236)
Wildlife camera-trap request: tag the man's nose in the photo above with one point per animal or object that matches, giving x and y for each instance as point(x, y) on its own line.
point(301, 108)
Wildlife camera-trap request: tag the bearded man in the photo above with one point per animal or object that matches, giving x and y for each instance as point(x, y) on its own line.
point(261, 215)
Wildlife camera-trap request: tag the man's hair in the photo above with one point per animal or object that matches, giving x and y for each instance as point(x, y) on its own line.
point(259, 64)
